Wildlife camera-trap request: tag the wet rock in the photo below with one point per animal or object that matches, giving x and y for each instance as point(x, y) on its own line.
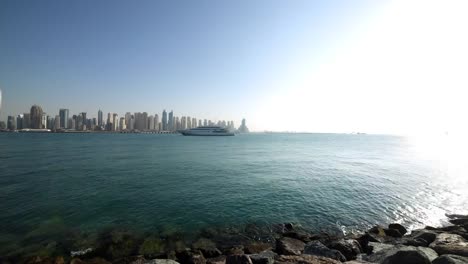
point(289, 246)
point(238, 259)
point(234, 250)
point(318, 249)
point(266, 257)
point(89, 261)
point(59, 260)
point(376, 247)
point(398, 227)
point(301, 235)
point(461, 221)
point(426, 235)
point(378, 230)
point(257, 247)
point(350, 248)
point(416, 242)
point(389, 254)
point(152, 247)
point(446, 243)
point(216, 260)
point(189, 257)
point(117, 244)
point(304, 259)
point(450, 259)
point(365, 239)
point(207, 247)
point(157, 261)
point(80, 252)
point(392, 232)
point(455, 216)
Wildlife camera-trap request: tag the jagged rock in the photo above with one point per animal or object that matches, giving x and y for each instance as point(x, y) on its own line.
point(359, 262)
point(304, 259)
point(266, 257)
point(426, 235)
point(257, 247)
point(378, 230)
point(235, 250)
point(450, 259)
point(318, 249)
point(216, 260)
point(365, 239)
point(301, 235)
point(398, 227)
point(461, 221)
point(207, 247)
point(376, 247)
point(392, 232)
point(455, 216)
point(117, 244)
point(89, 261)
point(446, 243)
point(238, 259)
point(155, 261)
point(389, 254)
point(416, 242)
point(188, 257)
point(289, 246)
point(350, 248)
point(152, 247)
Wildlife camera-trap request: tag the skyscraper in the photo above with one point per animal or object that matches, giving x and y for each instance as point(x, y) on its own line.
point(128, 121)
point(170, 121)
point(11, 123)
point(26, 120)
point(44, 120)
point(164, 120)
point(100, 118)
point(57, 122)
point(19, 122)
point(151, 122)
point(243, 128)
point(63, 113)
point(36, 117)
point(156, 122)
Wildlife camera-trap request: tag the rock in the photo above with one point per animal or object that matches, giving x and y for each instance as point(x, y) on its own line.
point(455, 216)
point(365, 239)
point(235, 250)
point(398, 227)
point(376, 247)
point(462, 221)
point(158, 261)
point(80, 252)
point(301, 235)
point(389, 254)
point(207, 247)
point(358, 262)
point(378, 230)
point(446, 243)
point(152, 247)
point(266, 257)
point(289, 226)
point(191, 257)
point(59, 260)
point(426, 235)
point(350, 248)
point(416, 242)
point(238, 259)
point(257, 247)
point(90, 261)
point(304, 259)
point(318, 249)
point(392, 232)
point(216, 260)
point(289, 246)
point(450, 259)
point(117, 244)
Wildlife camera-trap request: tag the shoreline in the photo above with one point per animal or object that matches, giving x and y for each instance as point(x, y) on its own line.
point(281, 243)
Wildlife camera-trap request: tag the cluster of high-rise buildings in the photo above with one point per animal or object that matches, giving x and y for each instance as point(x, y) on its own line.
point(140, 121)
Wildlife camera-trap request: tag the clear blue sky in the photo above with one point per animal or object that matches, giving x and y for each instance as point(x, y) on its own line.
point(208, 59)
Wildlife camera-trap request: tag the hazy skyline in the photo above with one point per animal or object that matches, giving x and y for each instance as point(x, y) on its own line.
point(334, 66)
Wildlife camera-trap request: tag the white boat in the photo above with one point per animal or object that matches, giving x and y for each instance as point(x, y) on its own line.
point(207, 131)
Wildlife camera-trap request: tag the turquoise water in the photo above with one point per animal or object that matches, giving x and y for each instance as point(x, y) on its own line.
point(148, 181)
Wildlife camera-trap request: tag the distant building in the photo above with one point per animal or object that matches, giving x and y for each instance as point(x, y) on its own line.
point(171, 121)
point(243, 128)
point(57, 122)
point(11, 123)
point(36, 117)
point(164, 120)
point(19, 122)
point(156, 122)
point(151, 122)
point(100, 123)
point(44, 120)
point(122, 125)
point(128, 121)
point(63, 113)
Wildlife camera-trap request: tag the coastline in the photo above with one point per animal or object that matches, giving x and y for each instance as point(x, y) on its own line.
point(281, 243)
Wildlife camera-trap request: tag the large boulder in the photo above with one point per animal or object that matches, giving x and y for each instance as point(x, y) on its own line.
point(304, 259)
point(350, 248)
point(216, 260)
point(266, 257)
point(446, 243)
point(257, 247)
point(207, 247)
point(398, 254)
point(156, 261)
point(298, 234)
point(318, 249)
point(238, 259)
point(392, 232)
point(189, 257)
point(450, 259)
point(398, 227)
point(422, 234)
point(289, 246)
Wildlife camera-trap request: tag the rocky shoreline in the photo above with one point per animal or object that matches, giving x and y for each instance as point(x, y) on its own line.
point(282, 244)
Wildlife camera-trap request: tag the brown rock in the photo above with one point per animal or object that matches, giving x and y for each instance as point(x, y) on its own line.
point(289, 246)
point(257, 247)
point(238, 259)
point(446, 243)
point(304, 259)
point(216, 260)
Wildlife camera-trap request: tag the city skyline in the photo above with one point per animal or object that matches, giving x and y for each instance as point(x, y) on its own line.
point(339, 66)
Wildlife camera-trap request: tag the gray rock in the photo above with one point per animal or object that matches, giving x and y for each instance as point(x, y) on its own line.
point(350, 248)
point(304, 259)
point(450, 259)
point(161, 261)
point(389, 254)
point(238, 259)
point(216, 260)
point(318, 249)
point(266, 257)
point(461, 221)
point(191, 257)
point(398, 227)
point(207, 247)
point(392, 232)
point(446, 243)
point(289, 246)
point(301, 235)
point(416, 242)
point(427, 235)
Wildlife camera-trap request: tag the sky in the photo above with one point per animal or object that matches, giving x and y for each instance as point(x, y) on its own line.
point(394, 67)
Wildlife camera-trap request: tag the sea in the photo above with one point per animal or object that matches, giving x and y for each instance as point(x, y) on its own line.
point(50, 183)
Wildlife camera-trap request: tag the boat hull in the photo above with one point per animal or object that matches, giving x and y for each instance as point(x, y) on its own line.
point(188, 133)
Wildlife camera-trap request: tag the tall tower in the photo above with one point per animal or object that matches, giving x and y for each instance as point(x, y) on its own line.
point(63, 113)
point(36, 117)
point(164, 120)
point(99, 114)
point(171, 121)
